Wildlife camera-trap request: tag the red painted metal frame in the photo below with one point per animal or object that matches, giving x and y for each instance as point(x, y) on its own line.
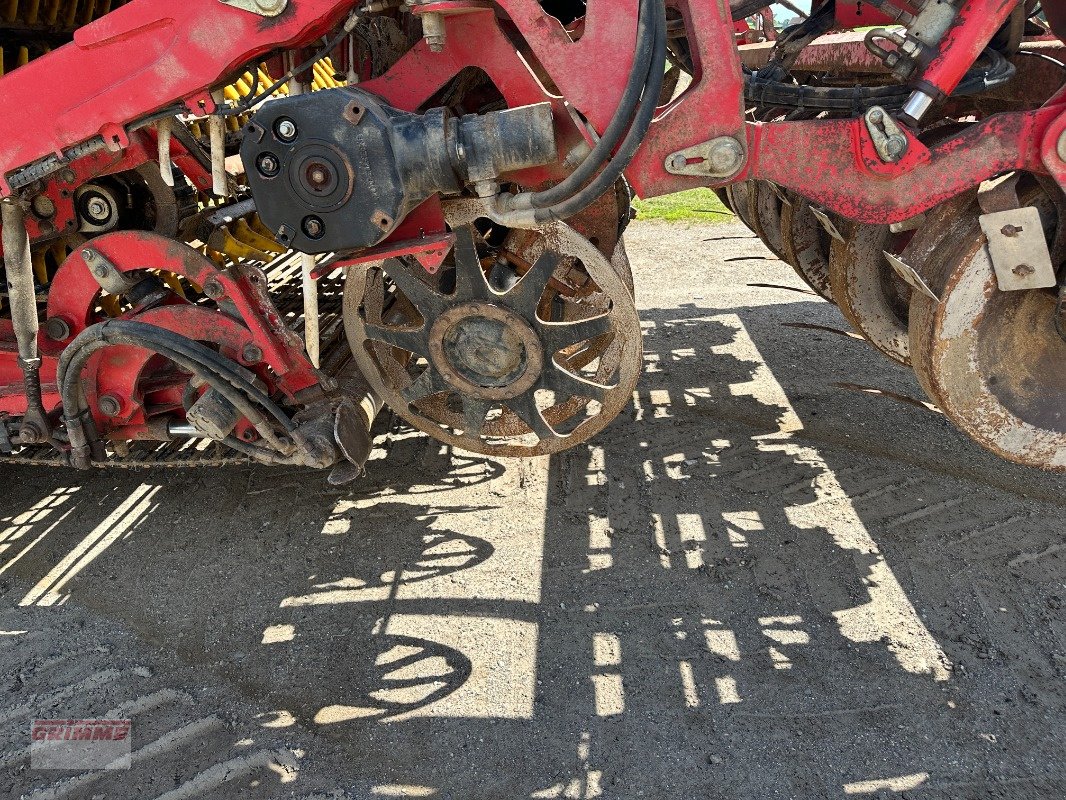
point(154, 54)
point(127, 66)
point(142, 57)
point(122, 372)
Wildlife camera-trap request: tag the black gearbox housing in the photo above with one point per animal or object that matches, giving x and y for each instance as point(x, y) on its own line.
point(338, 169)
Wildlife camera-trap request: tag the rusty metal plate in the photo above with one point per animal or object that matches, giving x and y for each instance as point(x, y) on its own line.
point(1018, 249)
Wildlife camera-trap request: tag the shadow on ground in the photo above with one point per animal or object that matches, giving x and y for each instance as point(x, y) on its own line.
point(751, 585)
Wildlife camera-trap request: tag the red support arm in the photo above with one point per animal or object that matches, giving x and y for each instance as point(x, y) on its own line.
point(142, 57)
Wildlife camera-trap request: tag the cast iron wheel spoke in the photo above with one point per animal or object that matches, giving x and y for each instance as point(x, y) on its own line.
point(525, 408)
point(525, 295)
point(470, 283)
point(411, 340)
point(429, 382)
point(558, 335)
point(474, 413)
point(570, 385)
point(428, 302)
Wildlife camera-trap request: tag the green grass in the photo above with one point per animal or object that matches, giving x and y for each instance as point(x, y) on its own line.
point(695, 205)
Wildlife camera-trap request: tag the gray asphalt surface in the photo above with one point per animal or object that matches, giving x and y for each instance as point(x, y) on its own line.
point(754, 584)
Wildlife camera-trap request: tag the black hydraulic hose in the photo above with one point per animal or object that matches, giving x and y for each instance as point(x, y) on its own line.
point(70, 370)
point(645, 112)
point(623, 115)
point(187, 354)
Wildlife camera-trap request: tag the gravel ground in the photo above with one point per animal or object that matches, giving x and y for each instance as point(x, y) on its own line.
point(753, 585)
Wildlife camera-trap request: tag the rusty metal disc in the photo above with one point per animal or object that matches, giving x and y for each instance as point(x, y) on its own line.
point(806, 244)
point(500, 370)
point(993, 361)
point(723, 195)
point(873, 298)
point(739, 200)
point(766, 206)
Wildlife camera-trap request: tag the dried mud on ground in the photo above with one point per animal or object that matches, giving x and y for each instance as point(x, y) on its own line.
point(753, 585)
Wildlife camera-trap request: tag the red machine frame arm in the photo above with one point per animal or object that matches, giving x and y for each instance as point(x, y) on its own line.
point(140, 58)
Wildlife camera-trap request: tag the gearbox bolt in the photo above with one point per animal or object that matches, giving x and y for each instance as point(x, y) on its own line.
point(286, 130)
point(314, 227)
point(268, 165)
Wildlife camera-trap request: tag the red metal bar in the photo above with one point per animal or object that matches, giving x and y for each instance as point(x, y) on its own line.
point(977, 22)
point(142, 57)
point(830, 173)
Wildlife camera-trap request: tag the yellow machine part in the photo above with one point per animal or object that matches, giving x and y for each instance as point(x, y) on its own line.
point(46, 18)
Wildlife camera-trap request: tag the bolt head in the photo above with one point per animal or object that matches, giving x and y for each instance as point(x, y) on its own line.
point(877, 116)
point(252, 354)
point(98, 210)
point(1023, 270)
point(286, 130)
point(109, 405)
point(213, 288)
point(896, 146)
point(268, 165)
point(678, 162)
point(57, 329)
point(314, 227)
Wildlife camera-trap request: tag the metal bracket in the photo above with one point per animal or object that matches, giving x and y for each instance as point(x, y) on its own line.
point(910, 276)
point(827, 223)
point(110, 278)
point(264, 8)
point(889, 140)
point(781, 194)
point(1018, 249)
point(718, 158)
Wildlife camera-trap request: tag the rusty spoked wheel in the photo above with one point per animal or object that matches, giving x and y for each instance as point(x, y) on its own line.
point(994, 361)
point(873, 298)
point(806, 244)
point(500, 369)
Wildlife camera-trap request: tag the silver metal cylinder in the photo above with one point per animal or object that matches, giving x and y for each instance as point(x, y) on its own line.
point(182, 429)
point(917, 105)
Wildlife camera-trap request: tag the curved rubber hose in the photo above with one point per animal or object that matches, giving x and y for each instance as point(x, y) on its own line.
point(172, 346)
point(641, 123)
point(623, 115)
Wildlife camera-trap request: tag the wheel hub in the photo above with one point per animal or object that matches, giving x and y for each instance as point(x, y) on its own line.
point(486, 351)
